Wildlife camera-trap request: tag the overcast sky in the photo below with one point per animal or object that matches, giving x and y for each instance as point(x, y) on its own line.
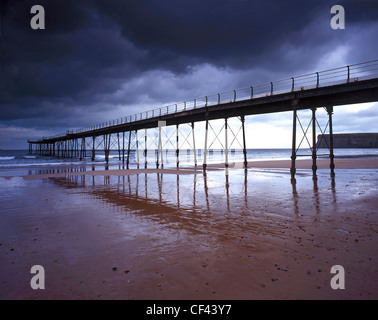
point(97, 60)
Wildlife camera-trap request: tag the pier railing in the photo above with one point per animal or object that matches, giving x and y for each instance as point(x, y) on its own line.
point(342, 75)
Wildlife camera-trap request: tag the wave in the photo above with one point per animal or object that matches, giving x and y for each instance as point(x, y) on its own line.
point(103, 157)
point(30, 157)
point(7, 158)
point(37, 164)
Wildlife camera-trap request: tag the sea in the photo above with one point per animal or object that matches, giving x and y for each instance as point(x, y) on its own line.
point(20, 162)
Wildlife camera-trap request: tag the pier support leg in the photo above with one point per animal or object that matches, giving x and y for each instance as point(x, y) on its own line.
point(145, 148)
point(244, 143)
point(314, 147)
point(331, 155)
point(226, 143)
point(119, 147)
point(177, 147)
point(205, 148)
point(160, 146)
point(194, 146)
point(137, 147)
point(158, 150)
point(81, 149)
point(107, 139)
point(294, 145)
point(128, 150)
point(161, 149)
point(93, 148)
point(123, 147)
point(106, 148)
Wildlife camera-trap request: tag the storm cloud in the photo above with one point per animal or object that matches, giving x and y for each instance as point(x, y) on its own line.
point(99, 60)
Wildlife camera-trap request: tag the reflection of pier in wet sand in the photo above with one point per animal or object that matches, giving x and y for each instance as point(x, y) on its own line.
point(190, 200)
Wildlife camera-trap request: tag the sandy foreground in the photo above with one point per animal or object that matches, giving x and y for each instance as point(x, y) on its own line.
point(183, 234)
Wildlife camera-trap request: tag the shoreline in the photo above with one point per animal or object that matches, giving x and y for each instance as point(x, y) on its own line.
point(302, 164)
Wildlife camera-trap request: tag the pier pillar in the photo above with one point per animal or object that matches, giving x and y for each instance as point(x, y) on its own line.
point(226, 143)
point(205, 148)
point(244, 143)
point(293, 146)
point(107, 139)
point(137, 147)
point(128, 150)
point(145, 148)
point(194, 146)
point(93, 148)
point(119, 147)
point(160, 146)
point(123, 147)
point(177, 146)
point(331, 155)
point(314, 147)
point(82, 149)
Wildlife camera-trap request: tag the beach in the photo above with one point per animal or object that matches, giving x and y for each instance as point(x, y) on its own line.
point(187, 233)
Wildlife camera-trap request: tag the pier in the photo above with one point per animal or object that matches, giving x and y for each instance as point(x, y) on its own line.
point(316, 92)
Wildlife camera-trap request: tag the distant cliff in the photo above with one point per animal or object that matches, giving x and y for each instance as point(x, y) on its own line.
point(350, 140)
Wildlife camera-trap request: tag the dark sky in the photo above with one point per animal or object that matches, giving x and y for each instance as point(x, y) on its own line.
point(100, 60)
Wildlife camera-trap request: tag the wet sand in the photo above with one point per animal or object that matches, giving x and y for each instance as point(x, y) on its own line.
point(57, 172)
point(183, 234)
